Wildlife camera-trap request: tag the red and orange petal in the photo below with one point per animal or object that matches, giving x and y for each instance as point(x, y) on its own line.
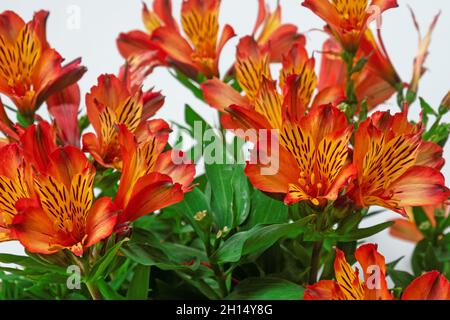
point(419, 186)
point(38, 143)
point(430, 155)
point(63, 107)
point(332, 68)
point(405, 230)
point(139, 152)
point(378, 62)
point(374, 268)
point(15, 183)
point(430, 286)
point(324, 290)
point(36, 232)
point(151, 192)
point(65, 163)
point(220, 95)
point(251, 66)
point(273, 37)
point(161, 15)
point(100, 221)
point(180, 170)
point(348, 279)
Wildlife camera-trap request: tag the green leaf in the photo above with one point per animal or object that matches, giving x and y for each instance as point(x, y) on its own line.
point(266, 289)
point(193, 207)
point(138, 289)
point(101, 266)
point(242, 195)
point(107, 292)
point(259, 238)
point(426, 108)
point(219, 177)
point(83, 123)
point(362, 233)
point(189, 84)
point(266, 210)
point(400, 278)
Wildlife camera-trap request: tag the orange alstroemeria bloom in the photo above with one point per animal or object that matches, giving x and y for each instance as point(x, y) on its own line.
point(136, 47)
point(151, 179)
point(200, 51)
point(31, 71)
point(349, 286)
point(272, 35)
point(313, 149)
point(16, 183)
point(408, 230)
point(65, 216)
point(396, 169)
point(376, 83)
point(109, 104)
point(63, 107)
point(347, 20)
point(252, 71)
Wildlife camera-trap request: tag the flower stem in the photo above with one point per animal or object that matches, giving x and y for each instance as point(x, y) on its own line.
point(315, 262)
point(94, 291)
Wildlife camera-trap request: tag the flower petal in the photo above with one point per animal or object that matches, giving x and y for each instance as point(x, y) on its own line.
point(430, 286)
point(100, 221)
point(221, 95)
point(374, 266)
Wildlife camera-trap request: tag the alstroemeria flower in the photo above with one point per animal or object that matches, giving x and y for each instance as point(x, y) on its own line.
point(396, 169)
point(408, 230)
point(109, 104)
point(200, 52)
point(63, 107)
point(252, 70)
point(65, 216)
point(31, 71)
point(376, 83)
point(274, 37)
point(136, 47)
point(429, 286)
point(347, 20)
point(349, 286)
point(419, 61)
point(151, 179)
point(16, 182)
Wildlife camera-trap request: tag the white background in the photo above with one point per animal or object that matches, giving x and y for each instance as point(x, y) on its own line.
point(102, 20)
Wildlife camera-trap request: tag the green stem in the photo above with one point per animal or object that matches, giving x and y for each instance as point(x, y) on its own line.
point(321, 225)
point(315, 261)
point(218, 271)
point(94, 291)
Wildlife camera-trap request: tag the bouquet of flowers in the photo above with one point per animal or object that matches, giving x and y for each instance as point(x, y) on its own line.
point(111, 202)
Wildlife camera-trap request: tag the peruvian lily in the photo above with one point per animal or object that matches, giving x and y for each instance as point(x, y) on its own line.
point(151, 178)
point(349, 286)
point(136, 47)
point(375, 83)
point(200, 52)
point(272, 35)
point(419, 61)
point(396, 169)
point(347, 20)
point(252, 70)
point(16, 183)
point(109, 104)
point(65, 216)
point(312, 157)
point(63, 106)
point(408, 230)
point(31, 71)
